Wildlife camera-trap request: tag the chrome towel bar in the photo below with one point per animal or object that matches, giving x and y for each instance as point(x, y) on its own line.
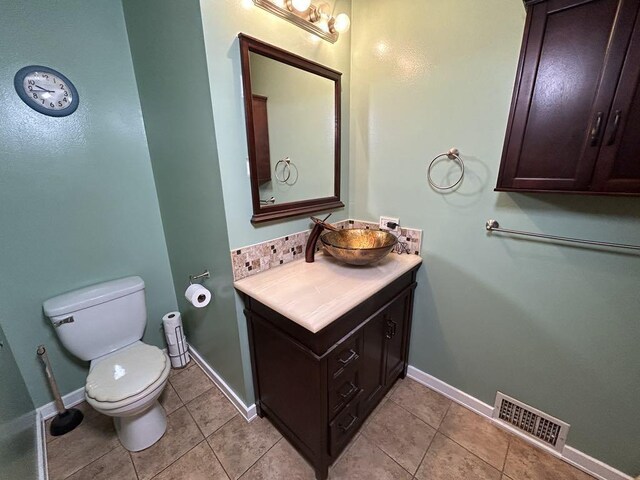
point(494, 226)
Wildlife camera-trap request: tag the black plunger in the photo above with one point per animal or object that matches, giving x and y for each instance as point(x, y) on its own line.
point(66, 419)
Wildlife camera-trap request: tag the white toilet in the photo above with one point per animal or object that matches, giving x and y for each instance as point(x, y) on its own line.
point(104, 323)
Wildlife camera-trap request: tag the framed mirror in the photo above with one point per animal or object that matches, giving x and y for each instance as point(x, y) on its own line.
point(292, 112)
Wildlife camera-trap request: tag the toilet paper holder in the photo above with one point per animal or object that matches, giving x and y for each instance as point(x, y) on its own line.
point(193, 278)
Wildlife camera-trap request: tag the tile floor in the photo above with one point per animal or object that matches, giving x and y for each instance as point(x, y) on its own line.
point(414, 433)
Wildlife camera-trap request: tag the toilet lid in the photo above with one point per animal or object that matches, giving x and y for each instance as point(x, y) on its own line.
point(125, 373)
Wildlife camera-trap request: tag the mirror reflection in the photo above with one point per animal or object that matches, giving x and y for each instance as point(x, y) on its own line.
point(292, 108)
point(294, 126)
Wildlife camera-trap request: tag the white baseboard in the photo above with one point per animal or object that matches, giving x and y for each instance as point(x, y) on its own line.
point(575, 457)
point(450, 392)
point(248, 412)
point(70, 400)
point(41, 444)
point(592, 466)
point(46, 412)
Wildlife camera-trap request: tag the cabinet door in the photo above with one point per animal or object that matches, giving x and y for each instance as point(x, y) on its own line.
point(395, 319)
point(618, 168)
point(372, 375)
point(572, 54)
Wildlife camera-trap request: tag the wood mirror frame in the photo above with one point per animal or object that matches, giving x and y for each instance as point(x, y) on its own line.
point(266, 213)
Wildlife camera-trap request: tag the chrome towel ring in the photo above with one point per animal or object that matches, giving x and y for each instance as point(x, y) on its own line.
point(452, 154)
point(284, 166)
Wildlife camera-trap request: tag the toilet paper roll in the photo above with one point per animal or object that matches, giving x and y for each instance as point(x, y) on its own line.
point(197, 295)
point(176, 342)
point(173, 331)
point(172, 320)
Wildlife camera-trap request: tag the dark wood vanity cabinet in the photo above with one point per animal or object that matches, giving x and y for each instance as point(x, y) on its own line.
point(317, 389)
point(574, 124)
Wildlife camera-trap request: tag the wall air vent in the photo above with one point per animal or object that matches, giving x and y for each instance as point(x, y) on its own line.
point(546, 429)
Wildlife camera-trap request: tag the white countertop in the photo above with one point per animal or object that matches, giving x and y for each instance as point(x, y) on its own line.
point(314, 294)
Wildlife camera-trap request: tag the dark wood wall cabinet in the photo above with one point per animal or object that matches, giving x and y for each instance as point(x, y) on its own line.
point(318, 388)
point(574, 124)
point(261, 132)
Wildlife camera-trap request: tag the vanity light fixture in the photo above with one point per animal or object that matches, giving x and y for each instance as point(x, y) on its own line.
point(300, 5)
point(313, 18)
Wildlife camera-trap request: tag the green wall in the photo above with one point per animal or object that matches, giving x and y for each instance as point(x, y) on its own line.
point(18, 451)
point(79, 204)
point(555, 326)
point(168, 52)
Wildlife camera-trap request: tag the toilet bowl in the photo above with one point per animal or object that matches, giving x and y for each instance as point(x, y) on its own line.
point(103, 324)
point(117, 386)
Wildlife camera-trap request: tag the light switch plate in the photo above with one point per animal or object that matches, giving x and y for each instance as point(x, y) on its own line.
point(385, 220)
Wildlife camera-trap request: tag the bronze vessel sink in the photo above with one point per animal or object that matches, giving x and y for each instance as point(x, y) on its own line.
point(358, 246)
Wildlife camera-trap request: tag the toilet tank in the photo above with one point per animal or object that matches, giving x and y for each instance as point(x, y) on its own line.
point(101, 318)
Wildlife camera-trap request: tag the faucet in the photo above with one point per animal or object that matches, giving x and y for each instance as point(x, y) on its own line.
point(320, 225)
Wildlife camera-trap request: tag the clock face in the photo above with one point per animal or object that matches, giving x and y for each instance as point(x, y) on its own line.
point(46, 91)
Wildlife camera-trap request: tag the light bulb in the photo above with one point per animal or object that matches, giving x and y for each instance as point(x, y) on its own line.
point(342, 23)
point(301, 5)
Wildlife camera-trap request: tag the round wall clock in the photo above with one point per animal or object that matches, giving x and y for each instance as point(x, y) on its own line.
point(46, 90)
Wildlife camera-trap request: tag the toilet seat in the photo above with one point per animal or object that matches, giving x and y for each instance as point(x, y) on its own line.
point(126, 376)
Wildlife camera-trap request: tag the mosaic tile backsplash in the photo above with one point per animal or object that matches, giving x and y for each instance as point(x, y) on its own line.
point(247, 261)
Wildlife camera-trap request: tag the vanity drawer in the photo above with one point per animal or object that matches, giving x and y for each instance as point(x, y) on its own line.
point(345, 356)
point(343, 391)
point(345, 425)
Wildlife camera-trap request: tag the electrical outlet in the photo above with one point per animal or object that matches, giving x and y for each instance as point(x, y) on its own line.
point(384, 221)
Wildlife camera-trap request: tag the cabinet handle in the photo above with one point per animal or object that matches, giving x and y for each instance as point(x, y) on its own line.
point(391, 329)
point(595, 131)
point(614, 132)
point(354, 419)
point(349, 359)
point(351, 390)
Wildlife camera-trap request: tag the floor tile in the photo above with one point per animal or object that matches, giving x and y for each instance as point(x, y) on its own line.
point(446, 460)
point(476, 434)
point(92, 439)
point(115, 464)
point(198, 464)
point(373, 414)
point(401, 435)
point(239, 444)
point(526, 462)
point(394, 387)
point(191, 383)
point(181, 436)
point(423, 402)
point(365, 461)
point(175, 371)
point(211, 410)
point(346, 449)
point(170, 400)
point(282, 461)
